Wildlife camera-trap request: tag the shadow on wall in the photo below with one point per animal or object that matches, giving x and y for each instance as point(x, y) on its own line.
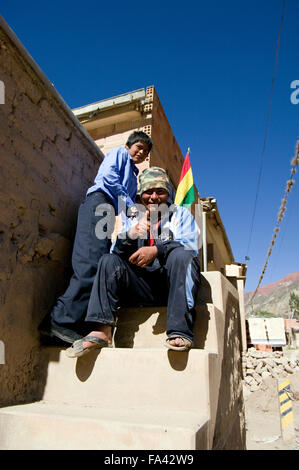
point(230, 418)
point(33, 292)
point(203, 316)
point(130, 320)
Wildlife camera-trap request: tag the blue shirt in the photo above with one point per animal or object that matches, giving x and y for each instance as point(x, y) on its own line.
point(117, 178)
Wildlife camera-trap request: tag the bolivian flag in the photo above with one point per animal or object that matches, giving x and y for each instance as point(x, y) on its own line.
point(185, 194)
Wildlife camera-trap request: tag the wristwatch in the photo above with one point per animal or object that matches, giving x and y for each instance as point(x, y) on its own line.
point(132, 212)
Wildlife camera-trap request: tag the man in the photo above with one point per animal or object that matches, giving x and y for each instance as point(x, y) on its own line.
point(153, 261)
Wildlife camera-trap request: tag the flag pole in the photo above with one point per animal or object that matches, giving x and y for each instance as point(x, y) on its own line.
point(204, 240)
point(204, 236)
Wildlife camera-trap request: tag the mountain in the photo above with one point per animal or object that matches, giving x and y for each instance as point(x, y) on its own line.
point(274, 297)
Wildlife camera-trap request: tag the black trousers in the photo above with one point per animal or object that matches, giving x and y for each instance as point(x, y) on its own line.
point(120, 283)
point(88, 248)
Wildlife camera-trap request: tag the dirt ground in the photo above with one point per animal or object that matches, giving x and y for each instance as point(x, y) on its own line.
point(263, 429)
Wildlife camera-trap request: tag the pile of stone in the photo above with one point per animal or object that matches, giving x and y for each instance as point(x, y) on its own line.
point(257, 365)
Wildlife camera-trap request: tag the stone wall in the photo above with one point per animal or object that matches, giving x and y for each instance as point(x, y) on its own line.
point(47, 163)
point(259, 365)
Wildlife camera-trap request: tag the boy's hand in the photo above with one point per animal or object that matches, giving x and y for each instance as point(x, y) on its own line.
point(141, 229)
point(144, 256)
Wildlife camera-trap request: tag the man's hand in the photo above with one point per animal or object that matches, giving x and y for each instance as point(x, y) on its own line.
point(144, 256)
point(141, 229)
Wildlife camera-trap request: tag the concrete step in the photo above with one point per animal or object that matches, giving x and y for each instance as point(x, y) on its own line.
point(47, 426)
point(122, 378)
point(146, 327)
point(216, 289)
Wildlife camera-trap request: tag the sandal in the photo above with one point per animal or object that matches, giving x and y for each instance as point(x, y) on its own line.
point(185, 347)
point(77, 350)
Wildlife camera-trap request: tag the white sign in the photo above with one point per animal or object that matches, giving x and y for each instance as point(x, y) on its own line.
point(2, 353)
point(2, 93)
point(267, 331)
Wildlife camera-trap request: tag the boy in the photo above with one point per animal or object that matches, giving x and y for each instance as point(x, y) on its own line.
point(114, 190)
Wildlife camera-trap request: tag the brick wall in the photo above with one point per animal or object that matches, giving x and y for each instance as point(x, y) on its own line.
point(166, 152)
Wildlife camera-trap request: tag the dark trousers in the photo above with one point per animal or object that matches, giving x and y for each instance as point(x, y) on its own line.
point(72, 306)
point(120, 283)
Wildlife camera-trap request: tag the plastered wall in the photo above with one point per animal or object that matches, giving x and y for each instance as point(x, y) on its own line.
point(47, 163)
point(230, 418)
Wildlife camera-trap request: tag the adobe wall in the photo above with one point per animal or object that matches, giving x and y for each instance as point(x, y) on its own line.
point(47, 163)
point(221, 256)
point(218, 300)
point(230, 418)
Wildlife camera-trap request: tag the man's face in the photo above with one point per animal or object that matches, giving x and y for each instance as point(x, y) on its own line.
point(154, 197)
point(138, 151)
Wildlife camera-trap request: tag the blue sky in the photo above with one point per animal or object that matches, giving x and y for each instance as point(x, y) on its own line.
point(212, 66)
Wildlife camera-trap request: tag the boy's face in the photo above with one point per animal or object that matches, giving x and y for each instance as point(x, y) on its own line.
point(138, 151)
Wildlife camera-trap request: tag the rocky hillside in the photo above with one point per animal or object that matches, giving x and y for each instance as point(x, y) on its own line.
point(274, 297)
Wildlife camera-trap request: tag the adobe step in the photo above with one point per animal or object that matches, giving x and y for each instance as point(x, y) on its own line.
point(146, 327)
point(121, 378)
point(47, 426)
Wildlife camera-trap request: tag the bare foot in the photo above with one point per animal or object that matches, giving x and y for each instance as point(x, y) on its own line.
point(176, 342)
point(104, 332)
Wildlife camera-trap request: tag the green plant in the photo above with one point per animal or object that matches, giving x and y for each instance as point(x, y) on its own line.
point(294, 304)
point(262, 313)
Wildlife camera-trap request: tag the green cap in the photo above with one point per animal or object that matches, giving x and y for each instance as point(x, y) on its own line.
point(153, 177)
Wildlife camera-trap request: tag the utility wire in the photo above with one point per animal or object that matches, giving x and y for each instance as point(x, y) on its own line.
point(282, 237)
point(266, 130)
point(281, 213)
